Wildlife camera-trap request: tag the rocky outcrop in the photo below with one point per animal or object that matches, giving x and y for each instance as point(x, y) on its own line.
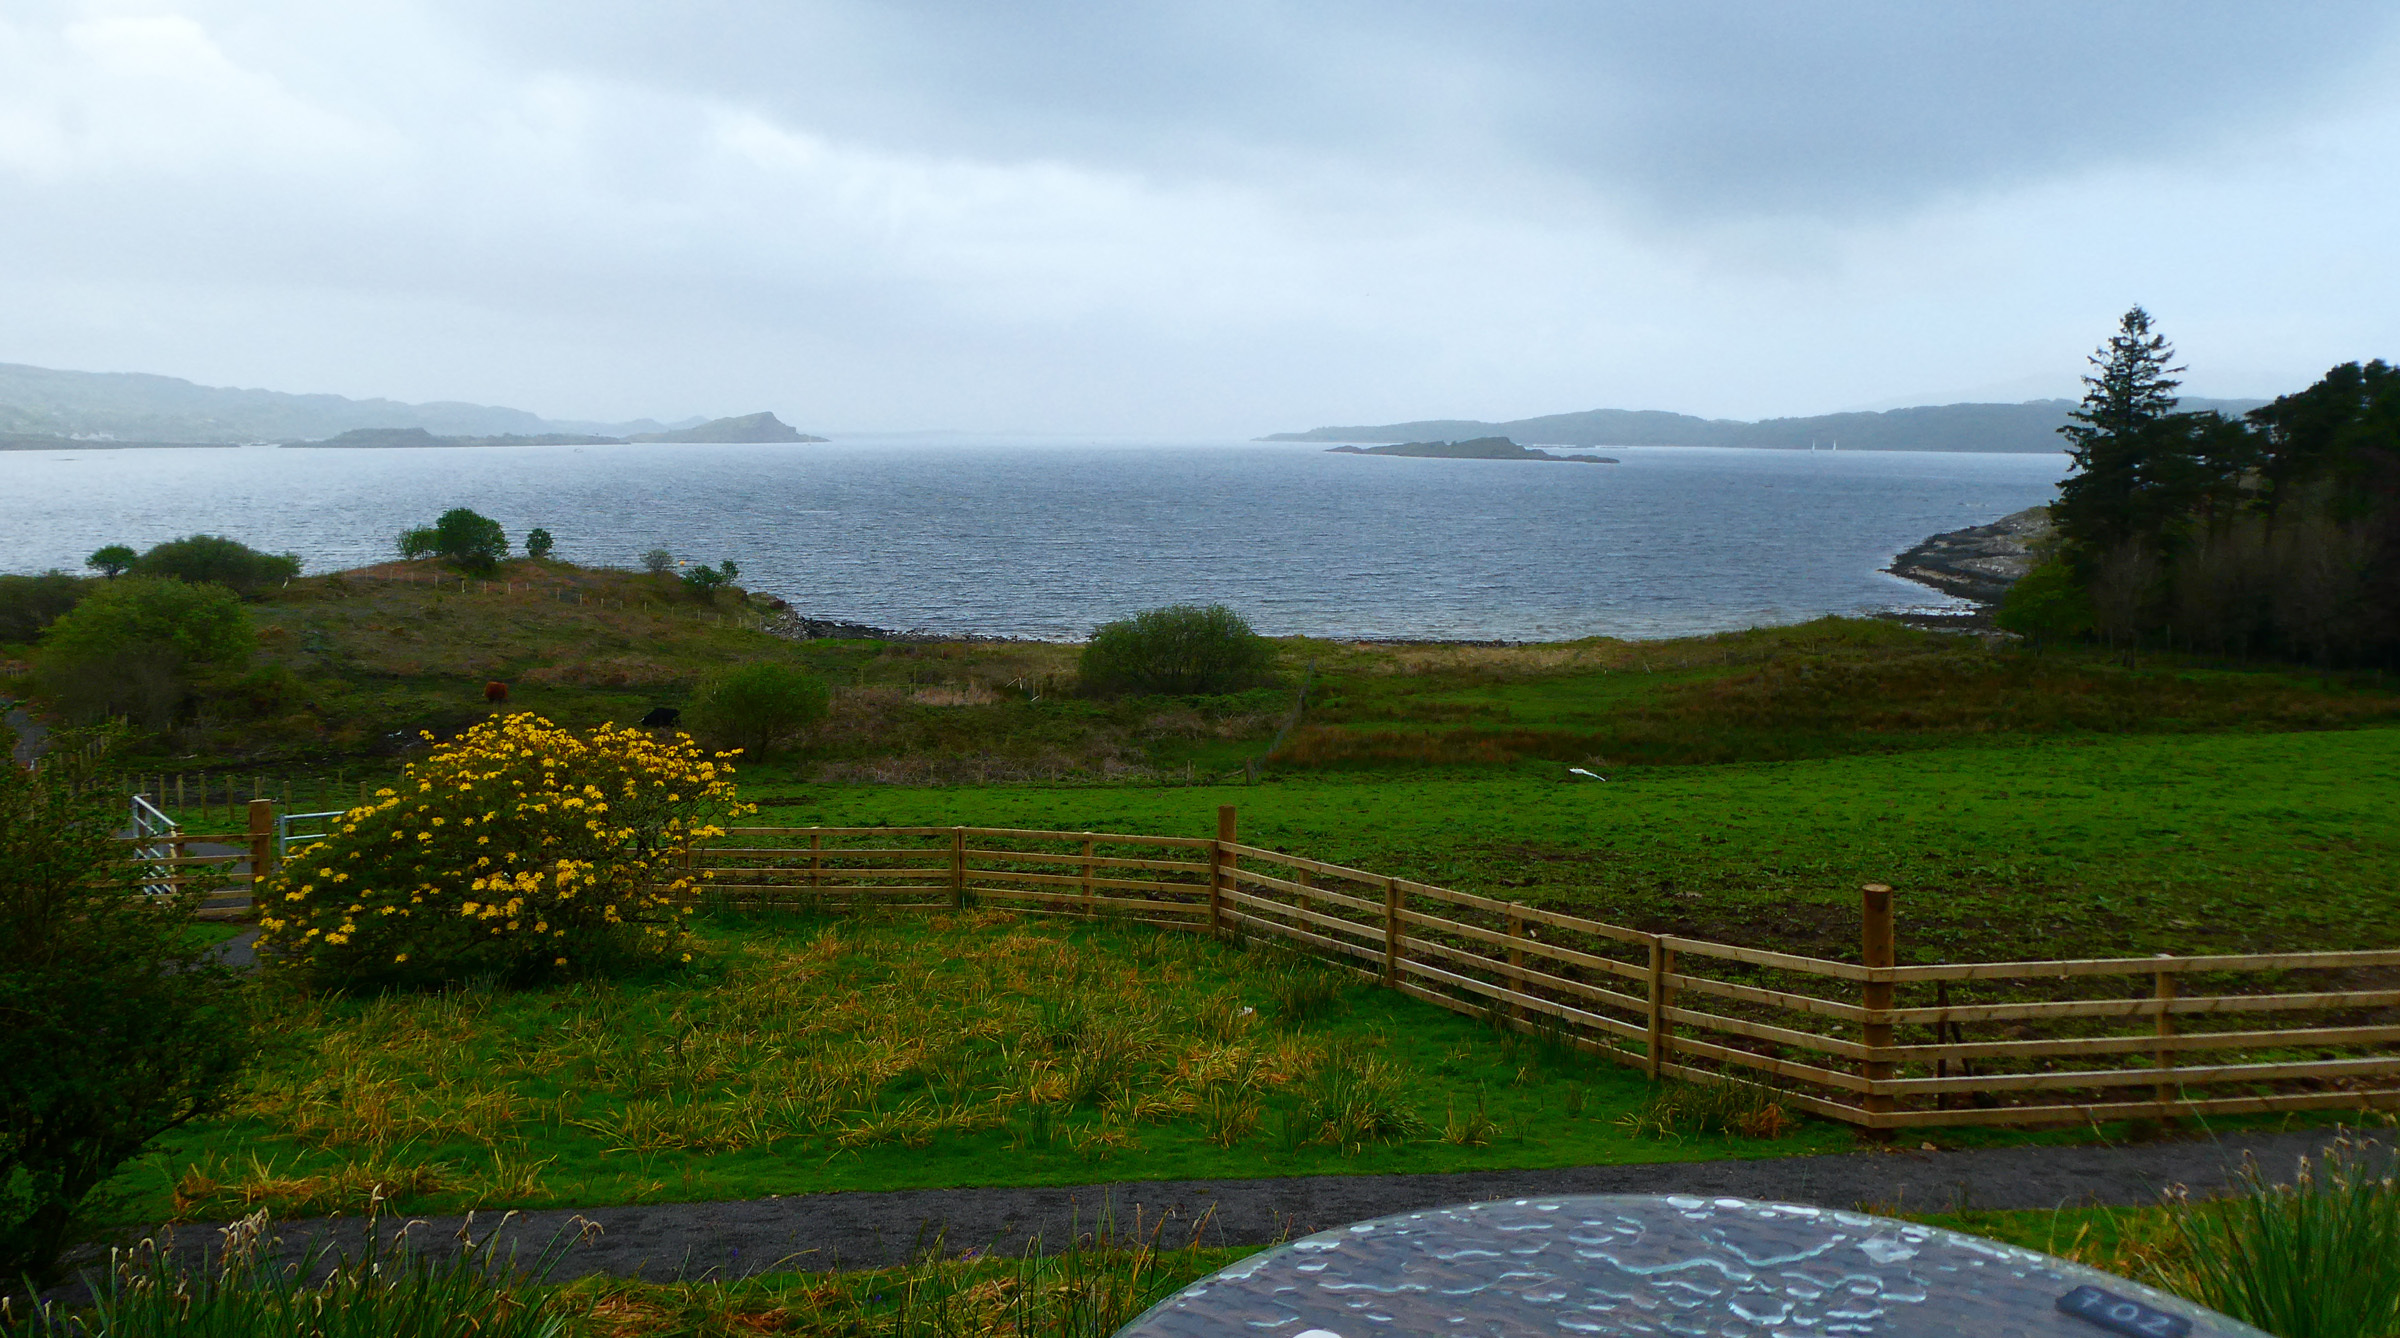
point(1980, 562)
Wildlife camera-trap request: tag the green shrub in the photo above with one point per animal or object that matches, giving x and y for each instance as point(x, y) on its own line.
point(131, 647)
point(658, 562)
point(213, 559)
point(518, 849)
point(112, 561)
point(465, 540)
point(758, 706)
point(30, 603)
point(2046, 604)
point(538, 543)
point(1183, 649)
point(118, 1028)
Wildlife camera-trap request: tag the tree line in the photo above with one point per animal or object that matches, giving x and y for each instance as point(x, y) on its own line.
point(2275, 533)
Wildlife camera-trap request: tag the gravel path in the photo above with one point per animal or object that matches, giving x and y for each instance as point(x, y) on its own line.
point(812, 1232)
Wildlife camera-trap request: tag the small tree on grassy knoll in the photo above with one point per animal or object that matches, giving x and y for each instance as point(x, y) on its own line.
point(465, 540)
point(759, 706)
point(658, 562)
point(113, 561)
point(519, 849)
point(115, 1026)
point(703, 582)
point(538, 543)
point(1183, 649)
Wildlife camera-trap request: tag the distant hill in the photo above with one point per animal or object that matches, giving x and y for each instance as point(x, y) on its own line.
point(747, 428)
point(43, 403)
point(2027, 427)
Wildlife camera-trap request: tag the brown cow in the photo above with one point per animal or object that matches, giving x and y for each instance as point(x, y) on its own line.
point(495, 693)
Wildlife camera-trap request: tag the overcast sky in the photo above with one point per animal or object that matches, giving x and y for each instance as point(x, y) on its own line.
point(1221, 217)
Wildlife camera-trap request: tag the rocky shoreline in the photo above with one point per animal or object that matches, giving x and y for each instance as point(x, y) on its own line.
point(1980, 562)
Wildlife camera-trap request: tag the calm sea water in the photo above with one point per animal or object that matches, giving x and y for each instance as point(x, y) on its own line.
point(1044, 538)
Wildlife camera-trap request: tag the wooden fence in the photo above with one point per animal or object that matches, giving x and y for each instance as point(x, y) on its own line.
point(1872, 1043)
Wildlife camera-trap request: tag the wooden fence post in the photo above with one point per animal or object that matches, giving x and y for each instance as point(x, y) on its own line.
point(262, 846)
point(1087, 873)
point(2164, 992)
point(1391, 933)
point(1662, 965)
point(1516, 962)
point(958, 867)
point(1876, 950)
point(1220, 866)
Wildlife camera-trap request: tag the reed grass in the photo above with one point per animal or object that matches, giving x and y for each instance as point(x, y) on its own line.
point(2318, 1257)
point(394, 1287)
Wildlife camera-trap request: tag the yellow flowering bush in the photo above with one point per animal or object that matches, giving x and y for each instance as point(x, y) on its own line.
point(520, 848)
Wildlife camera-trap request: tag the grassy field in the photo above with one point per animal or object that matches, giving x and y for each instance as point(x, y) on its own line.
point(2181, 843)
point(808, 1053)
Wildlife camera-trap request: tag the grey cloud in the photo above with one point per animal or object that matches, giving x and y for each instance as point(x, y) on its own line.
point(1686, 109)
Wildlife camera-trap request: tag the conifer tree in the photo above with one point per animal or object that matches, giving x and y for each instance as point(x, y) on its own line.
point(2125, 440)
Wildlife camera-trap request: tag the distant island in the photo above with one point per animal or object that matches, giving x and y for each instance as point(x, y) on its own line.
point(2028, 427)
point(755, 427)
point(747, 428)
point(1480, 448)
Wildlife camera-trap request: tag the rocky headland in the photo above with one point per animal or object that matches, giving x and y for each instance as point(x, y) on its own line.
point(1980, 562)
point(754, 427)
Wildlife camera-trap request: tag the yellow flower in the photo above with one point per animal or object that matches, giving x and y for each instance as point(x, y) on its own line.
point(401, 958)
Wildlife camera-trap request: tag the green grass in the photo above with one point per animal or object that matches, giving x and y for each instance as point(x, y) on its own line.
point(807, 1054)
point(2102, 846)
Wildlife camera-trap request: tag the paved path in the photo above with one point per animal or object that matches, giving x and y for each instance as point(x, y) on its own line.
point(29, 737)
point(812, 1232)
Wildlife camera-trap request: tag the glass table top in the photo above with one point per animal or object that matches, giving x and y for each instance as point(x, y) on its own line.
point(1663, 1265)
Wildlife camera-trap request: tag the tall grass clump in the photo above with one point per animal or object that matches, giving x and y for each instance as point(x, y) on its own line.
point(394, 1288)
point(1730, 1109)
point(2317, 1258)
point(519, 849)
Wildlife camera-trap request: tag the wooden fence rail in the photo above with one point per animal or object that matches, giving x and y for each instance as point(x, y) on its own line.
point(1871, 1043)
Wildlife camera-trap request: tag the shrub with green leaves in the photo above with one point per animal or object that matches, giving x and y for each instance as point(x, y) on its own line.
point(538, 543)
point(132, 646)
point(2047, 604)
point(30, 603)
point(759, 706)
point(1180, 650)
point(213, 559)
point(117, 1027)
point(465, 540)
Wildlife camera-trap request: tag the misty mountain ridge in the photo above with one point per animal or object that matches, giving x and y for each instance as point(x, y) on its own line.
point(139, 406)
point(2027, 427)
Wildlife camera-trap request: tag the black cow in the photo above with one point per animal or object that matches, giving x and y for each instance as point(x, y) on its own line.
point(662, 717)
